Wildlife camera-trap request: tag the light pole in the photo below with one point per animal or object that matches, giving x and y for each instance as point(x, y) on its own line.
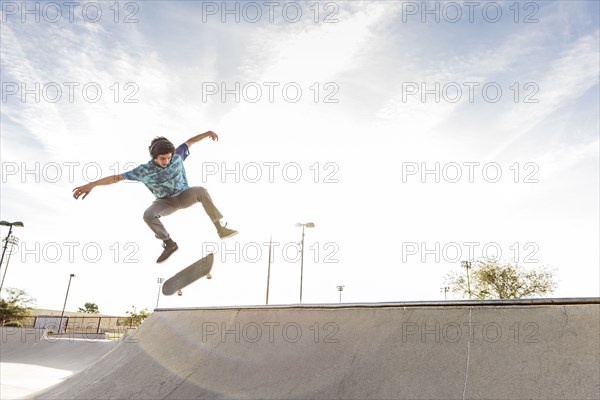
point(8, 240)
point(159, 281)
point(305, 225)
point(64, 305)
point(269, 268)
point(445, 290)
point(467, 266)
point(340, 289)
point(13, 240)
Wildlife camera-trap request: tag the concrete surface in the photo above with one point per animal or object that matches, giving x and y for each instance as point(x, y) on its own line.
point(31, 361)
point(464, 350)
point(22, 381)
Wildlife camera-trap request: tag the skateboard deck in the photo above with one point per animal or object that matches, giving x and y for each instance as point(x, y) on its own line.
point(188, 275)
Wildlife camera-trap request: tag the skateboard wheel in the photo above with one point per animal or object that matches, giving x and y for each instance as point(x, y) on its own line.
point(209, 276)
point(179, 293)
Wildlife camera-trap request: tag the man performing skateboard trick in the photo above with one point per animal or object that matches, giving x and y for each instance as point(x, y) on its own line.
point(165, 176)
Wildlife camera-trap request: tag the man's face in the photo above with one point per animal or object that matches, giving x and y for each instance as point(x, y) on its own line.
point(163, 160)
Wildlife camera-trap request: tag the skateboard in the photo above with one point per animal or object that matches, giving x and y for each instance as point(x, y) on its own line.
point(190, 274)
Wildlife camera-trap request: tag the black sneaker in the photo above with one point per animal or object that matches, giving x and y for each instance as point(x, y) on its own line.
point(168, 250)
point(225, 232)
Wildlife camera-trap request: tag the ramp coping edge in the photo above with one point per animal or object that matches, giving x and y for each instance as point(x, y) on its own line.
point(453, 303)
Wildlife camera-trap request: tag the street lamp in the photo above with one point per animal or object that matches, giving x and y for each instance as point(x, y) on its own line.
point(340, 289)
point(13, 240)
point(64, 305)
point(159, 281)
point(445, 289)
point(8, 240)
point(305, 225)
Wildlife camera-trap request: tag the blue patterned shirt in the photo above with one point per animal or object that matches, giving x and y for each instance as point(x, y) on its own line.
point(163, 182)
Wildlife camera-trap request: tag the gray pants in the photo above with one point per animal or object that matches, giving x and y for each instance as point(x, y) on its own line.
point(163, 207)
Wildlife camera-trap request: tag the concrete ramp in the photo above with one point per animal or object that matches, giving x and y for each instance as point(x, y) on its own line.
point(30, 360)
point(35, 347)
point(463, 350)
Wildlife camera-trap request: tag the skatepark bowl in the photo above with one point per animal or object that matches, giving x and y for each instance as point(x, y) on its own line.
point(32, 360)
point(496, 349)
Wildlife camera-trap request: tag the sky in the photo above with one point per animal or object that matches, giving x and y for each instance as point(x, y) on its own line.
point(414, 135)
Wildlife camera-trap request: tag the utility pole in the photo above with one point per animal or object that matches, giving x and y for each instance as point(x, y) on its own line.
point(64, 305)
point(269, 269)
point(467, 266)
point(303, 225)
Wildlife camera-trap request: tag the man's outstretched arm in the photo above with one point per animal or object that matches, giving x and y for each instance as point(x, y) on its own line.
point(201, 136)
point(86, 189)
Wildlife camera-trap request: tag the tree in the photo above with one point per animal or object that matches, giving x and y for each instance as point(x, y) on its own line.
point(17, 305)
point(137, 317)
point(89, 308)
point(490, 279)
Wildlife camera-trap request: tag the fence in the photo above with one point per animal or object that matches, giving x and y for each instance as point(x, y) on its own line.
point(73, 324)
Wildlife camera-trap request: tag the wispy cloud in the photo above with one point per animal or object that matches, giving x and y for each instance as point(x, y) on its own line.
point(568, 77)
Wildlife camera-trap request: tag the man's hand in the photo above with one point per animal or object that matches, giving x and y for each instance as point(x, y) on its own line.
point(212, 135)
point(86, 189)
point(201, 136)
point(83, 190)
